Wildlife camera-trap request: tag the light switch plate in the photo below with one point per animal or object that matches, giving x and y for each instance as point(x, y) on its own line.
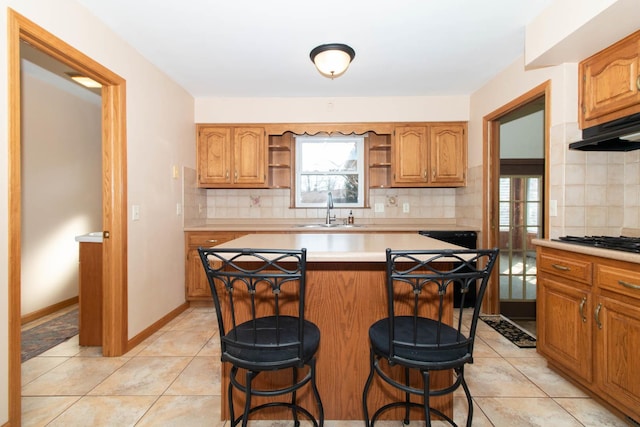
point(135, 212)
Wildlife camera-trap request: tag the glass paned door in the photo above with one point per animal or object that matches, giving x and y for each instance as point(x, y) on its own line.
point(520, 223)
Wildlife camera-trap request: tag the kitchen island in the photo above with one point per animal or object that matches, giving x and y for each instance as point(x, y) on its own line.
point(345, 295)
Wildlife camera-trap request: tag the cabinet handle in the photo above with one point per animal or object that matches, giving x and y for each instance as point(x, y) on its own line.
point(235, 175)
point(212, 241)
point(424, 174)
point(597, 315)
point(582, 303)
point(226, 175)
point(638, 82)
point(560, 267)
point(628, 285)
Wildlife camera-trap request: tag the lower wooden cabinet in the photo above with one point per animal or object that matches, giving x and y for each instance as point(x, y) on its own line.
point(196, 284)
point(589, 323)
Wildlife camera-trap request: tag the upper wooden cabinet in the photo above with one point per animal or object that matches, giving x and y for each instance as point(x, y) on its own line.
point(231, 157)
point(429, 156)
point(610, 83)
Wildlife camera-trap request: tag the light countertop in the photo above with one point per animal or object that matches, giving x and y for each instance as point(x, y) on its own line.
point(275, 225)
point(339, 247)
point(589, 250)
point(94, 237)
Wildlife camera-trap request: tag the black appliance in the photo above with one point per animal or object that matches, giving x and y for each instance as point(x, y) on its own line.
point(617, 135)
point(466, 239)
point(618, 243)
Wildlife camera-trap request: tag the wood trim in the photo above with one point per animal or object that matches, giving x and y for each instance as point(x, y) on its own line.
point(491, 173)
point(114, 192)
point(38, 314)
point(156, 326)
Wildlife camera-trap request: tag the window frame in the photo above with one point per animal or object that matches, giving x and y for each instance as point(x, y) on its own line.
point(360, 171)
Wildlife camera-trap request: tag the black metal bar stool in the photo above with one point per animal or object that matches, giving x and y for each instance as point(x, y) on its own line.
point(418, 282)
point(259, 296)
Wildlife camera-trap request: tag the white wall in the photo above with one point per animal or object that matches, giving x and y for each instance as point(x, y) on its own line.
point(160, 134)
point(61, 184)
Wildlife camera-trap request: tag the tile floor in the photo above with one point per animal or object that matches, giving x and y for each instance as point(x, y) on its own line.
point(172, 379)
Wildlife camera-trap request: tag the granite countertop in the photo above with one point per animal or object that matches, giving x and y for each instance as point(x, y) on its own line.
point(339, 247)
point(589, 250)
point(300, 225)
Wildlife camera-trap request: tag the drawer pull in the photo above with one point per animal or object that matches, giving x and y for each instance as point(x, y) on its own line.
point(212, 241)
point(560, 267)
point(582, 303)
point(628, 285)
point(597, 315)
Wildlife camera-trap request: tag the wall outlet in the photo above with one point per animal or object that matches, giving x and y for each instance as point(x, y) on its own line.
point(178, 209)
point(379, 207)
point(135, 212)
point(406, 207)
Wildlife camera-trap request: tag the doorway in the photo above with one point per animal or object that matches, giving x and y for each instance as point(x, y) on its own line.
point(516, 196)
point(114, 221)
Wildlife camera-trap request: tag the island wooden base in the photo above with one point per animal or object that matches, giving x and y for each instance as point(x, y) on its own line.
point(344, 300)
point(90, 294)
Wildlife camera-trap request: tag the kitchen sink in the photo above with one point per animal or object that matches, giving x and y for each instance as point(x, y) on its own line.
point(329, 225)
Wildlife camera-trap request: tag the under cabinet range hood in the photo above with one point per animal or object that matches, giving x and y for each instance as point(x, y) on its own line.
point(617, 135)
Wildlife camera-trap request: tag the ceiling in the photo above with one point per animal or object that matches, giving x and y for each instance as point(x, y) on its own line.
point(258, 48)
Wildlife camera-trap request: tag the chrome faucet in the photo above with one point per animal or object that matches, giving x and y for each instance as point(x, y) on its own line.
point(328, 219)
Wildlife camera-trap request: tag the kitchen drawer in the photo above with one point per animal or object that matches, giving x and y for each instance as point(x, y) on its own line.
point(620, 280)
point(209, 239)
point(575, 269)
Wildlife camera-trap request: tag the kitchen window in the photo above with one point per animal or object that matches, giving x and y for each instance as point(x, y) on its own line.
point(329, 164)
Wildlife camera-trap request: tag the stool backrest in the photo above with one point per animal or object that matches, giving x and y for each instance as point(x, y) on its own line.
point(420, 284)
point(253, 284)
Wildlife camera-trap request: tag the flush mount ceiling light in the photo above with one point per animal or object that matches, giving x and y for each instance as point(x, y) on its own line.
point(332, 59)
point(84, 80)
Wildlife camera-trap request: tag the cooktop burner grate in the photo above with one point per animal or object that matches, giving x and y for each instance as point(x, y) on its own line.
point(619, 243)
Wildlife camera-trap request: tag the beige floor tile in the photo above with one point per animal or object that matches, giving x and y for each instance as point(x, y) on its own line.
point(181, 411)
point(143, 376)
point(591, 413)
point(211, 348)
point(549, 381)
point(33, 368)
point(177, 343)
point(69, 348)
point(200, 377)
point(39, 411)
point(482, 349)
point(76, 376)
point(105, 411)
point(497, 378)
point(196, 321)
point(526, 412)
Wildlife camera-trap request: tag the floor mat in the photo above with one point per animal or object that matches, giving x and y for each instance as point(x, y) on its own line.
point(510, 331)
point(41, 338)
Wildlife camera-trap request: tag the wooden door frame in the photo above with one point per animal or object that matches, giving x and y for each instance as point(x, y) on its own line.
point(114, 195)
point(491, 175)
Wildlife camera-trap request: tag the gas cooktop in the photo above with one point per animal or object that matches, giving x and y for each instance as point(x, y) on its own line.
point(619, 243)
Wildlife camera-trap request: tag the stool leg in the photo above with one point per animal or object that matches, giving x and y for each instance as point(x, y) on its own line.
point(468, 394)
point(247, 398)
point(314, 387)
point(232, 415)
point(365, 393)
point(427, 402)
point(407, 398)
point(296, 422)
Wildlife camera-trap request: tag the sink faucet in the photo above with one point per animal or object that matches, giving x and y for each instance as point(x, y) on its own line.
point(328, 219)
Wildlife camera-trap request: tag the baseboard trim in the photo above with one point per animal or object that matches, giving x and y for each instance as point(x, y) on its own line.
point(35, 315)
point(155, 327)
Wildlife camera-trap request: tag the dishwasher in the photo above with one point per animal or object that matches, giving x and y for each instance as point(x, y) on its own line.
point(466, 239)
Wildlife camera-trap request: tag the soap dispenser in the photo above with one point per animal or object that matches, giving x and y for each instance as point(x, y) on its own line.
point(350, 218)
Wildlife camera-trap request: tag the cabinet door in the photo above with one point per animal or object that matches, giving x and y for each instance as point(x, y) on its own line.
point(448, 155)
point(250, 159)
point(410, 156)
point(197, 286)
point(214, 156)
point(617, 350)
point(565, 334)
point(610, 83)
